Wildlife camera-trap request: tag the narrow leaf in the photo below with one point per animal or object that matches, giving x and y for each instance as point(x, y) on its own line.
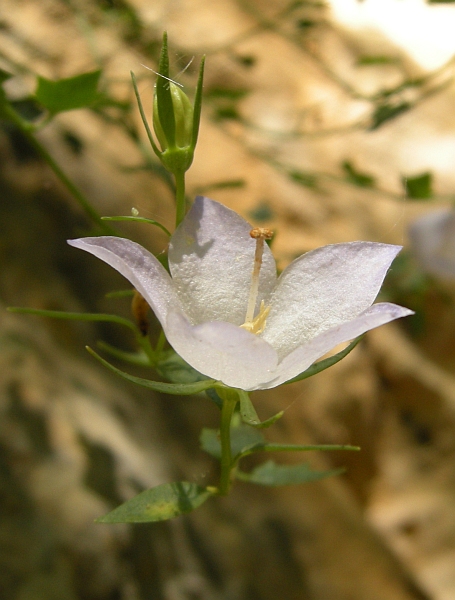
point(326, 363)
point(261, 447)
point(161, 503)
point(138, 220)
point(80, 91)
point(272, 474)
point(176, 389)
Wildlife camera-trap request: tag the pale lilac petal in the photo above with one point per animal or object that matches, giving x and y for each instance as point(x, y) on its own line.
point(433, 242)
point(324, 288)
point(139, 266)
point(303, 357)
point(211, 258)
point(222, 351)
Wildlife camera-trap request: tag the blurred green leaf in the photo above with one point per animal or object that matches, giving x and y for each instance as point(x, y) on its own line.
point(269, 473)
point(356, 177)
point(72, 93)
point(386, 112)
point(420, 187)
point(161, 503)
point(306, 179)
point(378, 59)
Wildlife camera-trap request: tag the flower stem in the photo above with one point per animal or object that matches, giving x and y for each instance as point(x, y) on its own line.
point(230, 399)
point(180, 196)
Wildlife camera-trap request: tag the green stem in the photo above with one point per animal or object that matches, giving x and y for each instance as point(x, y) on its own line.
point(27, 129)
point(230, 399)
point(180, 197)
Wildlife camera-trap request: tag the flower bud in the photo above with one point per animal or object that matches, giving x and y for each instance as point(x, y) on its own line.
point(178, 134)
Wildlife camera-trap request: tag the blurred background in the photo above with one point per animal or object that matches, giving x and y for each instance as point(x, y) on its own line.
point(326, 121)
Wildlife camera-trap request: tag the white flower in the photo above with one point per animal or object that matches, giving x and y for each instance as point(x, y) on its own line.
point(320, 300)
point(433, 242)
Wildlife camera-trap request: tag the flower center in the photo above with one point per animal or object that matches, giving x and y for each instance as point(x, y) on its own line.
point(257, 324)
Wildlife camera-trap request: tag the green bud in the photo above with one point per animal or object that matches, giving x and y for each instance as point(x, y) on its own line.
point(180, 135)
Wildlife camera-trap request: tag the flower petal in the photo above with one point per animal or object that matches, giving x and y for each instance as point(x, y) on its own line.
point(323, 289)
point(222, 351)
point(433, 242)
point(211, 257)
point(139, 266)
point(300, 359)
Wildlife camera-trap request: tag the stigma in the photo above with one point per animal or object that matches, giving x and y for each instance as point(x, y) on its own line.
point(256, 324)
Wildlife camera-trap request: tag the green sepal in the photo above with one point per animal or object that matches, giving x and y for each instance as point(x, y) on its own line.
point(71, 93)
point(175, 389)
point(139, 220)
point(326, 363)
point(140, 359)
point(197, 106)
point(173, 368)
point(249, 414)
point(70, 316)
point(161, 503)
point(271, 474)
point(163, 94)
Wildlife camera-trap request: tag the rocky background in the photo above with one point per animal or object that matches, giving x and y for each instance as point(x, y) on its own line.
point(307, 128)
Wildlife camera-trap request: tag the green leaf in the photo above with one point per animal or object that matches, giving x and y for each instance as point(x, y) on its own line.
point(80, 91)
point(387, 111)
point(420, 187)
point(4, 75)
point(326, 363)
point(356, 177)
point(138, 220)
point(139, 359)
point(249, 414)
point(161, 503)
point(272, 474)
point(176, 389)
point(306, 179)
point(242, 437)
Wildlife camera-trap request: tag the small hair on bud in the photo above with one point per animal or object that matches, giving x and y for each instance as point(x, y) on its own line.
point(261, 232)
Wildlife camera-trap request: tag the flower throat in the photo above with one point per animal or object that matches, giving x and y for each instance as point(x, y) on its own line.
point(257, 324)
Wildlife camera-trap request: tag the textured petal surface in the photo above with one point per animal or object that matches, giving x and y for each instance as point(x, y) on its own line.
point(433, 242)
point(211, 258)
point(323, 289)
point(222, 351)
point(139, 266)
point(300, 359)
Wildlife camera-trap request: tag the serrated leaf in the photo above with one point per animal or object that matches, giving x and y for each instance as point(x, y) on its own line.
point(420, 187)
point(71, 93)
point(161, 503)
point(242, 437)
point(326, 363)
point(269, 473)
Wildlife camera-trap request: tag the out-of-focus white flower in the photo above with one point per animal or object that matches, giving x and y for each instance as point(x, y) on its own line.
point(433, 242)
point(226, 313)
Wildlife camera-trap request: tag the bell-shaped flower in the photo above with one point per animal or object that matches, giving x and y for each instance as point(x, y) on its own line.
point(432, 239)
point(225, 311)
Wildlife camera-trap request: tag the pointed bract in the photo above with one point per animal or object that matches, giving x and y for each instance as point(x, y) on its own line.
point(322, 299)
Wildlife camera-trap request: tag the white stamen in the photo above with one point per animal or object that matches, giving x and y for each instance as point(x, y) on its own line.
point(251, 324)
